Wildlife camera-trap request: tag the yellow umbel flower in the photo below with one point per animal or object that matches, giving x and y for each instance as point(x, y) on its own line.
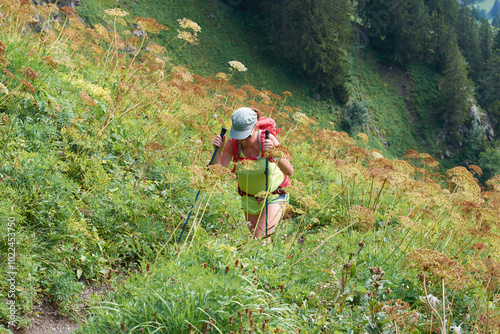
point(94, 90)
point(362, 217)
point(3, 89)
point(188, 24)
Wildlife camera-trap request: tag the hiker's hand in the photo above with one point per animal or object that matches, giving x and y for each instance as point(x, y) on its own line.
point(218, 141)
point(267, 144)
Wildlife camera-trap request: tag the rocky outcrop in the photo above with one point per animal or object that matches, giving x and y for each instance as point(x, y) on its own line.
point(482, 119)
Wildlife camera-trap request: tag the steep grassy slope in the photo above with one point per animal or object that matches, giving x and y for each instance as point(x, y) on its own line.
point(102, 155)
point(225, 36)
point(387, 93)
point(228, 35)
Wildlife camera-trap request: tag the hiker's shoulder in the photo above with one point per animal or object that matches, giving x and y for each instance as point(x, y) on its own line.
point(230, 144)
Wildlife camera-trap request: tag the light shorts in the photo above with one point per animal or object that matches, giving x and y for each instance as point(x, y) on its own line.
point(252, 206)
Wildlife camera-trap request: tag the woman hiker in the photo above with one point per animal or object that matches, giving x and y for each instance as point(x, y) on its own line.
point(246, 145)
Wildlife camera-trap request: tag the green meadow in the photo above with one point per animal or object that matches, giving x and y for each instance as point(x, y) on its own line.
point(105, 136)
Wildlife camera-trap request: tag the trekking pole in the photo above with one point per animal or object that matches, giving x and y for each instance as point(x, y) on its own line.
point(267, 178)
point(222, 133)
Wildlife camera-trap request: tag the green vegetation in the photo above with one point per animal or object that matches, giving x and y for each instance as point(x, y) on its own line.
point(313, 37)
point(104, 138)
point(385, 91)
point(490, 86)
point(455, 100)
point(355, 116)
point(446, 35)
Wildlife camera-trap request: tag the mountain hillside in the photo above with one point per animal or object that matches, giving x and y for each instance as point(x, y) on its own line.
point(107, 115)
point(404, 102)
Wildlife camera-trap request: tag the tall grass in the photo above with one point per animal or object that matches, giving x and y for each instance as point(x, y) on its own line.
point(102, 146)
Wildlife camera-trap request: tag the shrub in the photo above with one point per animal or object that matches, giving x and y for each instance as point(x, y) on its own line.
point(62, 289)
point(489, 160)
point(355, 116)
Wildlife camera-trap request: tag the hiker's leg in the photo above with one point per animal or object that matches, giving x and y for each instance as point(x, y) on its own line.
point(274, 213)
point(251, 221)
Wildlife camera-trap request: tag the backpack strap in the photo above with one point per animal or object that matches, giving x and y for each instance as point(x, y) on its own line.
point(286, 182)
point(236, 153)
point(262, 137)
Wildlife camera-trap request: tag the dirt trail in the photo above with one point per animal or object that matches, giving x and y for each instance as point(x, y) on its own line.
point(47, 320)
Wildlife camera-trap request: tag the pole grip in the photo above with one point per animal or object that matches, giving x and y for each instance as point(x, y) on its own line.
point(267, 137)
point(223, 132)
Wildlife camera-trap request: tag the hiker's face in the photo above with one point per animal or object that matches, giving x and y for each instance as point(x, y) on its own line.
point(251, 138)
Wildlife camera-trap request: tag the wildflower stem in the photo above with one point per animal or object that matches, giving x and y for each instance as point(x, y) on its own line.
point(179, 49)
point(394, 250)
point(464, 247)
point(404, 249)
point(375, 203)
point(137, 52)
point(297, 230)
point(387, 221)
point(321, 244)
point(432, 307)
point(371, 192)
point(198, 221)
point(488, 290)
point(327, 203)
point(60, 33)
point(444, 307)
point(352, 191)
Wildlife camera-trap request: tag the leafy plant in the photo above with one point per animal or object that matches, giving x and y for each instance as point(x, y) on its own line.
point(355, 116)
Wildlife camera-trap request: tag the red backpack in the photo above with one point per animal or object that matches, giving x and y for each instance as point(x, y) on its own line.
point(265, 123)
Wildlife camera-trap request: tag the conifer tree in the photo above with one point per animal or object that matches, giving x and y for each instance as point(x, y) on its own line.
point(395, 28)
point(456, 90)
point(496, 42)
point(450, 11)
point(489, 87)
point(314, 36)
point(442, 41)
point(479, 13)
point(376, 17)
point(410, 31)
point(485, 39)
point(468, 41)
point(496, 21)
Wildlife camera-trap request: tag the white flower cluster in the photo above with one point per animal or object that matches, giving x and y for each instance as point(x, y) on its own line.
point(431, 300)
point(187, 36)
point(190, 37)
point(237, 65)
point(117, 12)
point(3, 89)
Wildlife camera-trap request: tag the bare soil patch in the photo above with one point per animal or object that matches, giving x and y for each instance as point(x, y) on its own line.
point(47, 320)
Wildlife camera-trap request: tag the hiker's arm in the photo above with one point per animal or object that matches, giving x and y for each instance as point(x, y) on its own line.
point(286, 166)
point(224, 153)
point(284, 163)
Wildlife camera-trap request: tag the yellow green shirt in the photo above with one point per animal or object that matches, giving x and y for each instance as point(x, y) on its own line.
point(252, 180)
